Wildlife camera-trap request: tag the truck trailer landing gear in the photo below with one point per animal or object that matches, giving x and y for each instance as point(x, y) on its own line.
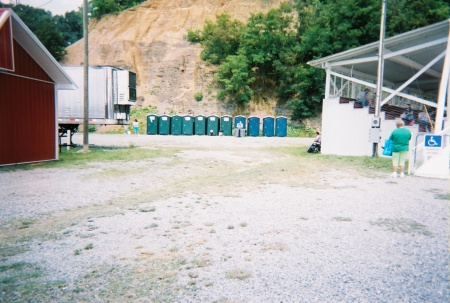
point(64, 131)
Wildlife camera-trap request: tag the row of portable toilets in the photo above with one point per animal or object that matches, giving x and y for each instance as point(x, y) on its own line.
point(214, 125)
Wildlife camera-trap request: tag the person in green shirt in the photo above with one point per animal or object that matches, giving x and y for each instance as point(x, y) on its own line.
point(400, 144)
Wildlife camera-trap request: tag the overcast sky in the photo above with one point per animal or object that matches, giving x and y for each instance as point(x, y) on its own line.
point(57, 7)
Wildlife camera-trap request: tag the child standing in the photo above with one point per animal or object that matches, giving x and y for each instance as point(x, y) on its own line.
point(136, 127)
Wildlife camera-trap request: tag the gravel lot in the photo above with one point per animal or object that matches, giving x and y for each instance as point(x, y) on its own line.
point(225, 220)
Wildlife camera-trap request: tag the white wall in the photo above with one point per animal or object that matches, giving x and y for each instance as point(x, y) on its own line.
point(345, 130)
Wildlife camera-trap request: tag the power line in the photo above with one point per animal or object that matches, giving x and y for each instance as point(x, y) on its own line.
point(45, 3)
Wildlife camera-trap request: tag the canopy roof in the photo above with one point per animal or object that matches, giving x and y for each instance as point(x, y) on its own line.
point(405, 55)
point(23, 35)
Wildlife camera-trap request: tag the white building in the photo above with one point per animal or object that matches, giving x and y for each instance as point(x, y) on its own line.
point(416, 72)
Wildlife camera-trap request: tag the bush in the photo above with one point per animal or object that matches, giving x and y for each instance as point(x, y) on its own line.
point(198, 96)
point(221, 95)
point(141, 115)
point(300, 131)
point(193, 36)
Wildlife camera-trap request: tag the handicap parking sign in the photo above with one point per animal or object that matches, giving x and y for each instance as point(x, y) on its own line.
point(432, 141)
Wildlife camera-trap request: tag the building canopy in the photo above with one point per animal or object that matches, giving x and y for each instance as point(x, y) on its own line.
point(415, 65)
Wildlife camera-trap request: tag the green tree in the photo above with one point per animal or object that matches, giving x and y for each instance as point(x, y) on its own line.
point(52, 39)
point(272, 49)
point(99, 8)
point(70, 25)
point(220, 39)
point(330, 26)
point(405, 15)
point(235, 78)
point(265, 37)
point(42, 24)
point(309, 91)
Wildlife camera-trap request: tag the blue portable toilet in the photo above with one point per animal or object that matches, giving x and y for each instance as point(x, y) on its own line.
point(268, 126)
point(164, 125)
point(253, 126)
point(226, 125)
point(176, 125)
point(152, 124)
point(241, 119)
point(188, 125)
point(281, 126)
point(212, 127)
point(200, 125)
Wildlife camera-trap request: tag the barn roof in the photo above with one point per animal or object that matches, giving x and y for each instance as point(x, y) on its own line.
point(404, 56)
point(23, 35)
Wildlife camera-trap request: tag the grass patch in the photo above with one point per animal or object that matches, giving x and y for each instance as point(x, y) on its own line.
point(342, 219)
point(73, 158)
point(404, 226)
point(89, 246)
point(300, 131)
point(9, 250)
point(238, 274)
point(174, 249)
point(443, 196)
point(67, 232)
point(363, 162)
point(24, 223)
point(147, 209)
point(24, 282)
point(154, 281)
point(200, 263)
point(275, 246)
point(153, 225)
point(14, 266)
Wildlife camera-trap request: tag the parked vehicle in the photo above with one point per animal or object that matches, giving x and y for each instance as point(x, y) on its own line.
point(112, 91)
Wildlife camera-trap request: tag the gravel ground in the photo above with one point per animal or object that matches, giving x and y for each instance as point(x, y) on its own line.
point(151, 232)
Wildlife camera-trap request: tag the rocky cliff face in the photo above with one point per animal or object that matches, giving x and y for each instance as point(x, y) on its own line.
point(149, 40)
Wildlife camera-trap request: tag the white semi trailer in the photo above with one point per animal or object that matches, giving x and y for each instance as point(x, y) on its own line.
point(112, 91)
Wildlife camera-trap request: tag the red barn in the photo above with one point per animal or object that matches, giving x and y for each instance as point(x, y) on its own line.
point(29, 80)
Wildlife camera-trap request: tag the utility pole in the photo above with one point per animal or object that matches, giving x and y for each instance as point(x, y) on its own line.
point(379, 90)
point(86, 77)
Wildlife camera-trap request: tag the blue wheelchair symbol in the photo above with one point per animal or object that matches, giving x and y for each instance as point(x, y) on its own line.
point(433, 141)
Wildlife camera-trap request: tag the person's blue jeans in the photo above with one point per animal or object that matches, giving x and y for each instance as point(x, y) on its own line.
point(362, 101)
point(425, 124)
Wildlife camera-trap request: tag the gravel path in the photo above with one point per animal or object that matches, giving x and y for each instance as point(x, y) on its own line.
point(148, 231)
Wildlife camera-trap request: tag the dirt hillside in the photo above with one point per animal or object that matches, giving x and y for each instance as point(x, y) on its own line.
point(149, 40)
